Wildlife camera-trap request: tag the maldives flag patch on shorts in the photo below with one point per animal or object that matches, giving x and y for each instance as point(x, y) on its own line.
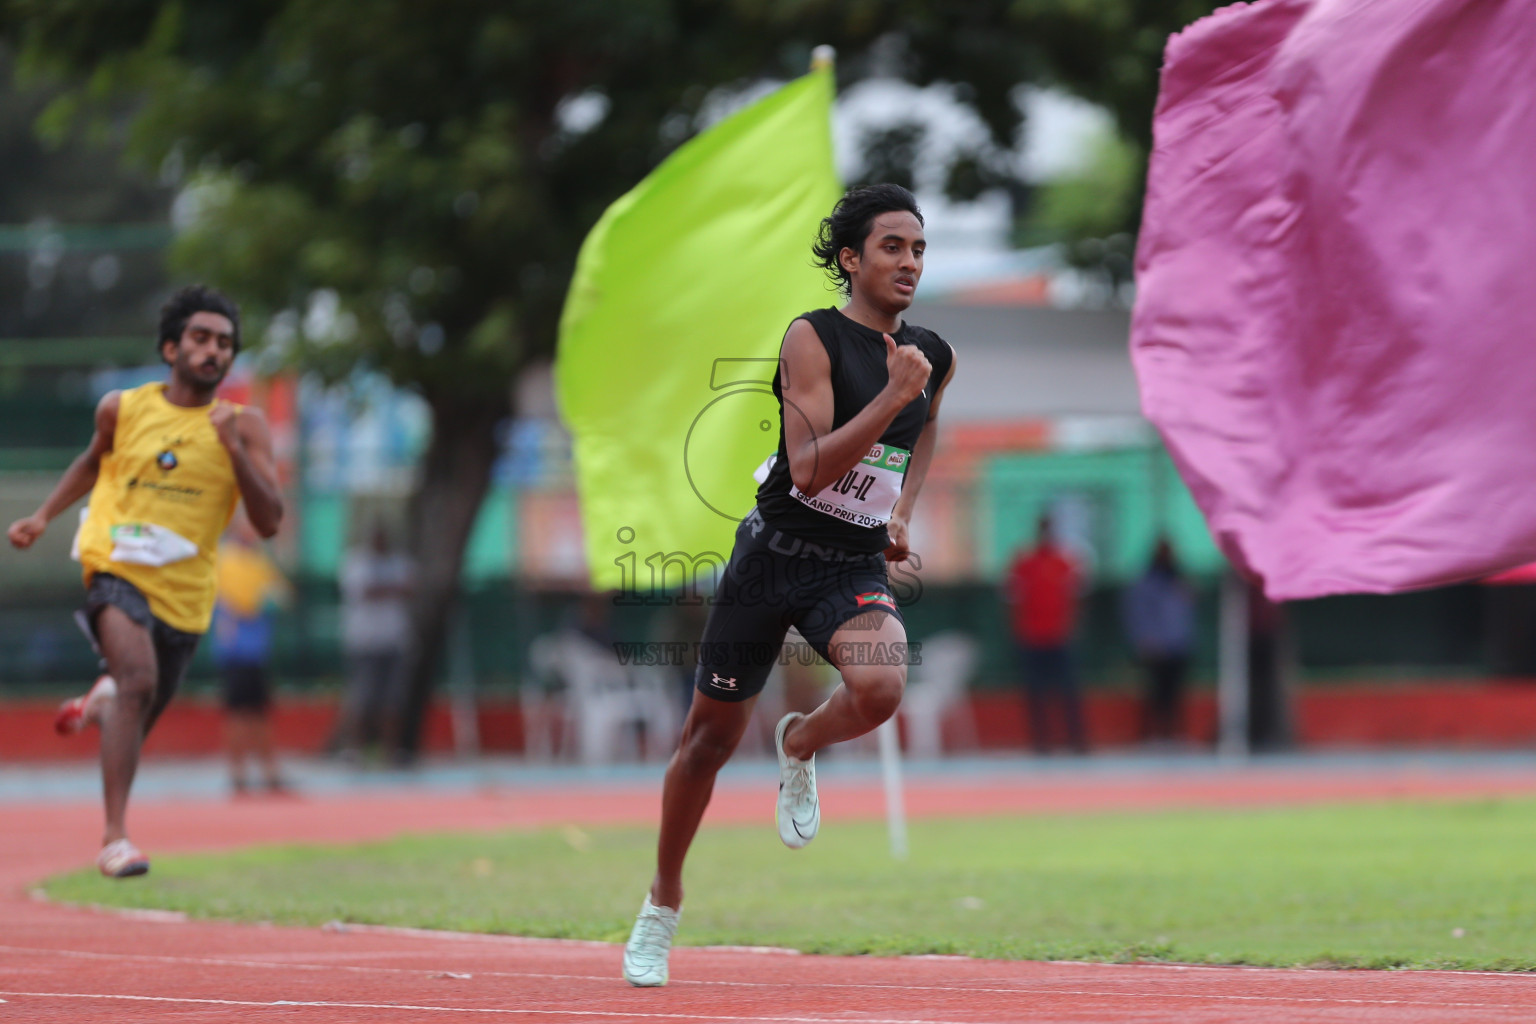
point(876, 597)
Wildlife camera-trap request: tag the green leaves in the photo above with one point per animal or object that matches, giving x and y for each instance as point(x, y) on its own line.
point(1093, 203)
point(353, 146)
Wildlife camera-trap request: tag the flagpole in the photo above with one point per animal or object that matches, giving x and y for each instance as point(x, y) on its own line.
point(890, 775)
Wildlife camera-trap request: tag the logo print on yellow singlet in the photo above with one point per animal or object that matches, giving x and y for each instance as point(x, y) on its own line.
point(167, 460)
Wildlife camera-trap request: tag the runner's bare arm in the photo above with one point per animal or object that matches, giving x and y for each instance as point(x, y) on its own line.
point(818, 455)
point(77, 480)
point(245, 436)
point(917, 471)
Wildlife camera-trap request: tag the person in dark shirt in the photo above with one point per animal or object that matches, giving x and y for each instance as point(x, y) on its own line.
point(859, 392)
point(1159, 611)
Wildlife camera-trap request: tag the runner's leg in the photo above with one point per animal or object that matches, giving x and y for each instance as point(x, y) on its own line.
point(868, 694)
point(710, 735)
point(130, 654)
point(743, 636)
point(173, 654)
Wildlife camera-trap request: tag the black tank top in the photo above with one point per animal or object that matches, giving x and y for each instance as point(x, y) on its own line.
point(846, 514)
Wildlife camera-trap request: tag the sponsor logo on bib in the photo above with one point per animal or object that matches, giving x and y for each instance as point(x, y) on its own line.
point(867, 493)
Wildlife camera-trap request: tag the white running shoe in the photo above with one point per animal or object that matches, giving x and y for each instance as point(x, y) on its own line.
point(799, 811)
point(121, 859)
point(645, 954)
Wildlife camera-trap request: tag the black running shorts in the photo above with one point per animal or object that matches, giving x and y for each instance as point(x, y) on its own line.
point(173, 647)
point(244, 687)
point(772, 582)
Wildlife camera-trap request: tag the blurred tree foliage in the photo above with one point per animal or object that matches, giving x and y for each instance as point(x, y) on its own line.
point(890, 154)
point(1091, 202)
point(1087, 212)
point(66, 181)
point(52, 287)
point(428, 170)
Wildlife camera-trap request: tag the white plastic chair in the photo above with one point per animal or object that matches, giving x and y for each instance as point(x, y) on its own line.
point(936, 689)
point(599, 701)
point(656, 707)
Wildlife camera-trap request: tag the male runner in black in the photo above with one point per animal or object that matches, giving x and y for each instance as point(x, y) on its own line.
point(859, 394)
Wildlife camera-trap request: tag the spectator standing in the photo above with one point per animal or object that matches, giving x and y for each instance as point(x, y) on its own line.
point(249, 588)
point(376, 583)
point(1159, 614)
point(1042, 591)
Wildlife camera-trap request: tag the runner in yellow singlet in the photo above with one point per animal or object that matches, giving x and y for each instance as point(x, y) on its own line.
point(165, 469)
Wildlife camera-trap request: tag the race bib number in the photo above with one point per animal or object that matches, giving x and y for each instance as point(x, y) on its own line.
point(149, 544)
point(866, 495)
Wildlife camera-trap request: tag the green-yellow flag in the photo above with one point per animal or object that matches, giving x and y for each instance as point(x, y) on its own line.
point(671, 332)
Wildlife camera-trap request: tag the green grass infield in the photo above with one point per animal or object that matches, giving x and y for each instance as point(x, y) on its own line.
point(1422, 885)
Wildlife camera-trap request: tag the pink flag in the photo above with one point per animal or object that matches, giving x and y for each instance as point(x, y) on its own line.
point(1335, 327)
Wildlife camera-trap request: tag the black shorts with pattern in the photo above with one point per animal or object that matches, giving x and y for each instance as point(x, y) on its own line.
point(772, 582)
point(173, 647)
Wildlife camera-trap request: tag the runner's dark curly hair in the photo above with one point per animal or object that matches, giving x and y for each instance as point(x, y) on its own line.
point(195, 298)
point(849, 225)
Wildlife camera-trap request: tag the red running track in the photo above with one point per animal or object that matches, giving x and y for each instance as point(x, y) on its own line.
point(68, 964)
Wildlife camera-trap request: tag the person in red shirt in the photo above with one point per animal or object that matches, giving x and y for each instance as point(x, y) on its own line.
point(1042, 589)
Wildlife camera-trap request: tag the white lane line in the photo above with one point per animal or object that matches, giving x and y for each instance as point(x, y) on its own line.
point(416, 1008)
point(1025, 987)
point(286, 965)
point(631, 1014)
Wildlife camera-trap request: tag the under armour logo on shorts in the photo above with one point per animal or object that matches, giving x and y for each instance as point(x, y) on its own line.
point(725, 683)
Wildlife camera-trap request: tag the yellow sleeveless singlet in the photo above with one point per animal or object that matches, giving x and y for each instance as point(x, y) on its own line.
point(162, 499)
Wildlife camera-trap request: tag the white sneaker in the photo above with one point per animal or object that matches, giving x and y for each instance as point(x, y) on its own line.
point(645, 954)
point(799, 811)
point(121, 859)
